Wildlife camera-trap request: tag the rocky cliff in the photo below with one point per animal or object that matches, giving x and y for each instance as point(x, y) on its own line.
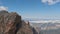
point(11, 23)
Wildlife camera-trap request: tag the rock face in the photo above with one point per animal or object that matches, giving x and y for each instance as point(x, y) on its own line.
point(25, 29)
point(11, 23)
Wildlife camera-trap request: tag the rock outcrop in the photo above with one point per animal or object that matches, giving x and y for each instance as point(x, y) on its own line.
point(25, 29)
point(11, 23)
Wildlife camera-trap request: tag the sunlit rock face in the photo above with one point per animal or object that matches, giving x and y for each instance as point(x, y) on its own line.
point(11, 23)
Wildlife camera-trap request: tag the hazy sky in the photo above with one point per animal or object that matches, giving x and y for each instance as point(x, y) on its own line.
point(33, 8)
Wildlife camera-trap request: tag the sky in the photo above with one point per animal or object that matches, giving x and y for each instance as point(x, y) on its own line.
point(43, 9)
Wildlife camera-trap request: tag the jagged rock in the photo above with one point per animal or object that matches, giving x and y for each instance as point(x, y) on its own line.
point(25, 29)
point(11, 23)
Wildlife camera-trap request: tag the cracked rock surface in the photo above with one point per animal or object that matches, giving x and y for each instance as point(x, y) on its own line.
point(11, 23)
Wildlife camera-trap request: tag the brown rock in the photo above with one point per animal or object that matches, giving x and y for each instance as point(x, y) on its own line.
point(11, 23)
point(25, 29)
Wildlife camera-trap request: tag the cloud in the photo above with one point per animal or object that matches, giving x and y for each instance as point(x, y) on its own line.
point(50, 2)
point(3, 8)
